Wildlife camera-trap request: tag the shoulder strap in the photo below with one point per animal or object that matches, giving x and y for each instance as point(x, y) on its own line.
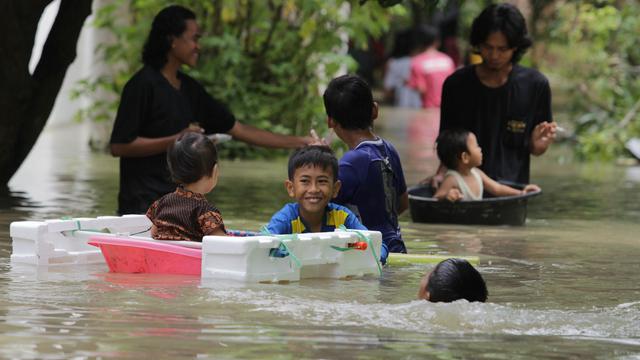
point(476, 175)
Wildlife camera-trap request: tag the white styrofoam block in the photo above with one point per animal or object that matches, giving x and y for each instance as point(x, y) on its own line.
point(64, 241)
point(247, 258)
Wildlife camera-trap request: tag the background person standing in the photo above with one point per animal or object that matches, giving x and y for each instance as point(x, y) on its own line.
point(430, 67)
point(506, 105)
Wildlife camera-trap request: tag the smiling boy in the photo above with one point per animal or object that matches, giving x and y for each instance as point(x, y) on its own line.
point(313, 182)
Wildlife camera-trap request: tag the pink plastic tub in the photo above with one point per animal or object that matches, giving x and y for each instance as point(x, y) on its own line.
point(125, 255)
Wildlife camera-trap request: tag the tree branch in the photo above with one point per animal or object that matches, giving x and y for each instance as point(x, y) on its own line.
point(631, 114)
point(247, 26)
point(18, 23)
point(277, 16)
point(58, 53)
point(216, 24)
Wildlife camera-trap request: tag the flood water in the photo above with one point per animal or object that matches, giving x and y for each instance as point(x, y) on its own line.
point(565, 285)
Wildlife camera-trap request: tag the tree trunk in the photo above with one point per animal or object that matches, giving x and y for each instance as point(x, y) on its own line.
point(26, 100)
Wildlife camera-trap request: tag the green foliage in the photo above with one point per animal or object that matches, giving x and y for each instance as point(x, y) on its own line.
point(266, 59)
point(594, 51)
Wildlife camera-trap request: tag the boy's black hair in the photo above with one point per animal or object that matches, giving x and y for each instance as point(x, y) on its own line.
point(348, 101)
point(427, 35)
point(455, 279)
point(315, 155)
point(191, 157)
point(169, 22)
point(450, 145)
point(507, 19)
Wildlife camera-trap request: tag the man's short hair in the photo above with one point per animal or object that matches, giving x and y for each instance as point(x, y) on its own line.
point(348, 101)
point(314, 155)
point(507, 19)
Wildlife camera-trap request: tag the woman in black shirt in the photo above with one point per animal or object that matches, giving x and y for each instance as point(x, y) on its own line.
point(160, 103)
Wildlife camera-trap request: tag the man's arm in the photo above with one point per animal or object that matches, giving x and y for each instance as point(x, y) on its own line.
point(254, 136)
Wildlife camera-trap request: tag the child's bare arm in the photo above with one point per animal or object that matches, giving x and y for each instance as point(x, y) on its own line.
point(448, 190)
point(495, 188)
point(531, 188)
point(498, 189)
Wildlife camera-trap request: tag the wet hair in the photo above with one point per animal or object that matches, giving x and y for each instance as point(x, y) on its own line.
point(169, 22)
point(427, 35)
point(191, 157)
point(508, 20)
point(348, 101)
point(455, 279)
point(450, 145)
point(315, 155)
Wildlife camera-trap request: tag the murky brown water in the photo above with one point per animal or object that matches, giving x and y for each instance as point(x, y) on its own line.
point(566, 285)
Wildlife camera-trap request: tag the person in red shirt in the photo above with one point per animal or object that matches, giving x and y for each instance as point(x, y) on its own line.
point(430, 68)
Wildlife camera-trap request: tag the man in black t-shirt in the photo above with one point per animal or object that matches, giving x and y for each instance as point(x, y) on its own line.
point(507, 106)
point(160, 103)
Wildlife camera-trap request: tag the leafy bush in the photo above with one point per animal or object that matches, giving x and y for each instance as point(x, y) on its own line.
point(595, 54)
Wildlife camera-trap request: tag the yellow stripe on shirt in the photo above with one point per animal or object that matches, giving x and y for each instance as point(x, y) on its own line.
point(337, 217)
point(296, 226)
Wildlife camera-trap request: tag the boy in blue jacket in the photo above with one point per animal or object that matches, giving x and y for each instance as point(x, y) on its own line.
point(370, 172)
point(313, 183)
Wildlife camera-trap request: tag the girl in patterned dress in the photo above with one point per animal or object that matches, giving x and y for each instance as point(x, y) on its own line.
point(185, 214)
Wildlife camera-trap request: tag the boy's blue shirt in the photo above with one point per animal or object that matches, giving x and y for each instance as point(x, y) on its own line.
point(288, 221)
point(367, 188)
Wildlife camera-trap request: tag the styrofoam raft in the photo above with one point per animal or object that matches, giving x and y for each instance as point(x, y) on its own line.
point(247, 258)
point(65, 242)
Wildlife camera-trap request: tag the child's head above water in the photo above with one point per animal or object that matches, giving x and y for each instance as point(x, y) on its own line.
point(313, 177)
point(349, 102)
point(192, 157)
point(458, 147)
point(451, 280)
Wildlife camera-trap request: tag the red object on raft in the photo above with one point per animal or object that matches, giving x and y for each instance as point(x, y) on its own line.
point(126, 255)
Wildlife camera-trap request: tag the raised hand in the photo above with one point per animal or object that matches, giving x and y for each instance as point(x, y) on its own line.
point(543, 135)
point(314, 139)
